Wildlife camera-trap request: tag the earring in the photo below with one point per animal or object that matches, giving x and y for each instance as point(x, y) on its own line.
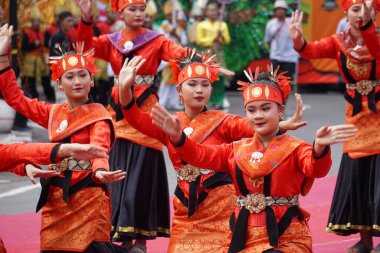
point(281, 116)
point(60, 88)
point(92, 84)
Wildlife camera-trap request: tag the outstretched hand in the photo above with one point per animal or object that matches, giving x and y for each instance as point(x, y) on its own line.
point(127, 77)
point(295, 28)
point(328, 135)
point(110, 176)
point(365, 13)
point(6, 33)
point(81, 151)
point(295, 122)
point(85, 7)
point(32, 172)
point(171, 125)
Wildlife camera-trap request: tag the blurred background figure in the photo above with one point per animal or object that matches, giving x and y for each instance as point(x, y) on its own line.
point(342, 25)
point(35, 67)
point(277, 36)
point(212, 33)
point(61, 37)
point(174, 27)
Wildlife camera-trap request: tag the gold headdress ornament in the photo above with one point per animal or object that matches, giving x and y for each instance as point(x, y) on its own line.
point(192, 65)
point(119, 5)
point(262, 89)
point(68, 61)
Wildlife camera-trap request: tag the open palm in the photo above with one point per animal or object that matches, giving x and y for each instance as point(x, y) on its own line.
point(85, 7)
point(170, 124)
point(128, 71)
point(5, 38)
point(295, 26)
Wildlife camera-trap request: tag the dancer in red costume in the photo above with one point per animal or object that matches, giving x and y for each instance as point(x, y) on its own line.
point(356, 204)
point(204, 198)
point(140, 204)
point(267, 215)
point(76, 203)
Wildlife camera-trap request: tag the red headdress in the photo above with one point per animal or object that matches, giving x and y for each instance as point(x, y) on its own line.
point(346, 4)
point(119, 5)
point(77, 60)
point(193, 65)
point(276, 89)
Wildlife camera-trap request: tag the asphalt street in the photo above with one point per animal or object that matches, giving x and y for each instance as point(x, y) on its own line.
point(18, 195)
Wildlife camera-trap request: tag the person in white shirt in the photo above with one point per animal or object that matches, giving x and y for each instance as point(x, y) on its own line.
point(277, 36)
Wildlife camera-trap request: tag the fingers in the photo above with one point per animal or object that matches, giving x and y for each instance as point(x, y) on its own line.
point(31, 178)
point(299, 108)
point(300, 18)
point(142, 61)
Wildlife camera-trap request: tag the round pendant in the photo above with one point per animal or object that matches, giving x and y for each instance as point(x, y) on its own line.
point(128, 45)
point(62, 126)
point(188, 131)
point(256, 157)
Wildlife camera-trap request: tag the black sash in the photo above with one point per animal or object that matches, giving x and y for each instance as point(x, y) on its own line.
point(64, 183)
point(274, 229)
point(218, 179)
point(356, 102)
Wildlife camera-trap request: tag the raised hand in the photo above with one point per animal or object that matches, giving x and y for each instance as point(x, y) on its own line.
point(328, 135)
point(85, 7)
point(127, 78)
point(295, 28)
point(170, 124)
point(365, 13)
point(81, 151)
point(5, 38)
point(110, 176)
point(294, 122)
point(32, 172)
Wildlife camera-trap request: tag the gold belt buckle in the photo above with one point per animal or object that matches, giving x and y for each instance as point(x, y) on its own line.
point(364, 87)
point(255, 203)
point(61, 166)
point(189, 173)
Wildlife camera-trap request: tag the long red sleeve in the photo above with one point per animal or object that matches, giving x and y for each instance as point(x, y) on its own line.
point(100, 135)
point(310, 165)
point(324, 48)
point(370, 39)
point(215, 157)
point(14, 96)
point(20, 153)
point(101, 44)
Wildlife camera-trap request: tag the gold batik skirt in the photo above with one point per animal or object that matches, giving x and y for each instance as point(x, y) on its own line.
point(74, 225)
point(208, 229)
point(296, 239)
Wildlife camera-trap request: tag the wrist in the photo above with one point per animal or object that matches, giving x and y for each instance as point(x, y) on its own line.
point(87, 18)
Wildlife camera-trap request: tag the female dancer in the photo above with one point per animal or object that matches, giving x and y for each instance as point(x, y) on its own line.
point(269, 170)
point(138, 211)
point(204, 199)
point(75, 205)
point(355, 206)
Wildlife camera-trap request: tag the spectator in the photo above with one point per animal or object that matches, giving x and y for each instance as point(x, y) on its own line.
point(35, 68)
point(277, 36)
point(211, 34)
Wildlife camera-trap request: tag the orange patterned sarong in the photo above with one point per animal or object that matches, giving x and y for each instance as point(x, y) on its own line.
point(208, 229)
point(296, 239)
point(74, 225)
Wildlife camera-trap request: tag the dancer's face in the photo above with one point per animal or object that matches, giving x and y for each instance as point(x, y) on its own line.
point(134, 15)
point(195, 92)
point(353, 15)
point(264, 117)
point(77, 84)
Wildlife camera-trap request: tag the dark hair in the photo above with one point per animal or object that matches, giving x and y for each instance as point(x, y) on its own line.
point(196, 58)
point(264, 78)
point(212, 2)
point(63, 15)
